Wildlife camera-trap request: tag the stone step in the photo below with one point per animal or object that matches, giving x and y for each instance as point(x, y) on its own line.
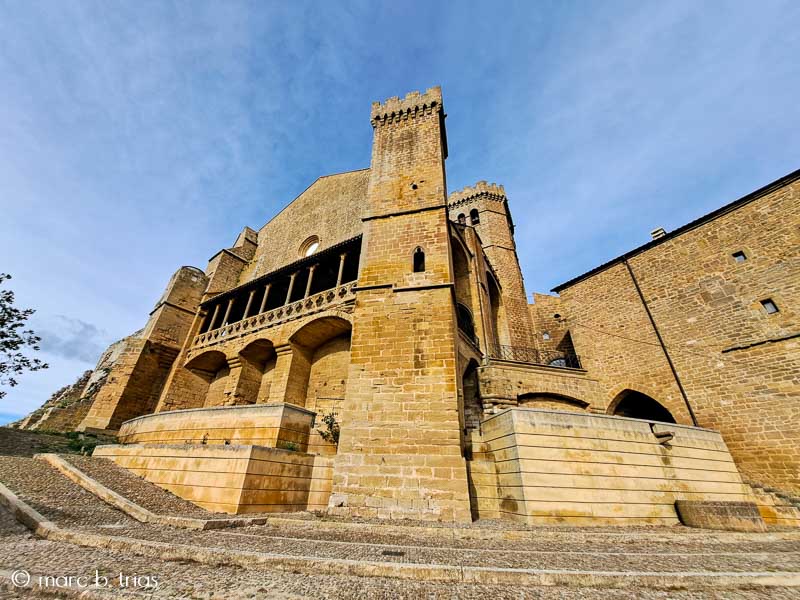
point(781, 516)
point(777, 493)
point(777, 509)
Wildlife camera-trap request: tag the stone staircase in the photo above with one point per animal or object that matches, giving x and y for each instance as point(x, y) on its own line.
point(776, 507)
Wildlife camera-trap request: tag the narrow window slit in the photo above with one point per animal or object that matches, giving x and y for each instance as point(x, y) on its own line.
point(419, 260)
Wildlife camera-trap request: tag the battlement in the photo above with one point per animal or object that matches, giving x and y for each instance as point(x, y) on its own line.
point(395, 109)
point(469, 193)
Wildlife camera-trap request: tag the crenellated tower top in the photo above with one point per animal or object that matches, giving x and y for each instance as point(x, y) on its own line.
point(487, 191)
point(394, 109)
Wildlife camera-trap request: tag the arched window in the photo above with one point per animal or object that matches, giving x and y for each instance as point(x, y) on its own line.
point(419, 260)
point(309, 246)
point(462, 219)
point(474, 217)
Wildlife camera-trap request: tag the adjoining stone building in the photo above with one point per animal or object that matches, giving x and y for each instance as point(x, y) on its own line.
point(705, 320)
point(399, 313)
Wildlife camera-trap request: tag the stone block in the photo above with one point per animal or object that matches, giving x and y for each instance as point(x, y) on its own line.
point(731, 516)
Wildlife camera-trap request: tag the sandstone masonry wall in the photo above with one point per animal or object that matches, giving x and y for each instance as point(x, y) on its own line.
point(738, 364)
point(495, 229)
point(582, 469)
point(330, 208)
point(136, 379)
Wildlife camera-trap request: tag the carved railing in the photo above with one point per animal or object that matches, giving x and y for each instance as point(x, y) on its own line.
point(287, 312)
point(551, 358)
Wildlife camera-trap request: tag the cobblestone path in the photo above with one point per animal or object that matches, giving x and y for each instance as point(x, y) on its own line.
point(643, 549)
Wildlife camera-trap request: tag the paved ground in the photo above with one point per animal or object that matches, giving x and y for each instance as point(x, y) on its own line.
point(69, 506)
point(20, 550)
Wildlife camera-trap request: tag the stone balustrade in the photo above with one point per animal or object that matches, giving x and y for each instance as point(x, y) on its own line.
point(293, 310)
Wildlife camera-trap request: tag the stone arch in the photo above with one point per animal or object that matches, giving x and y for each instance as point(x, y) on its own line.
point(551, 401)
point(211, 373)
point(474, 217)
point(638, 405)
point(322, 328)
point(258, 359)
point(498, 312)
point(324, 345)
point(462, 276)
point(473, 407)
point(322, 356)
point(465, 320)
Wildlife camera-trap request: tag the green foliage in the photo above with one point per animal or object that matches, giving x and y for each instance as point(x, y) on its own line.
point(331, 431)
point(81, 443)
point(77, 442)
point(285, 445)
point(14, 339)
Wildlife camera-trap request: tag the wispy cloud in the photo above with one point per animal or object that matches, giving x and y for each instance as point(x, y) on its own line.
point(71, 339)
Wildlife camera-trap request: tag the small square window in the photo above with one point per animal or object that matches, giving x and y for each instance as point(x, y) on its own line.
point(769, 306)
point(546, 336)
point(739, 256)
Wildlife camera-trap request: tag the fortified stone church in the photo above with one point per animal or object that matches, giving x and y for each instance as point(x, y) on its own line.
point(371, 351)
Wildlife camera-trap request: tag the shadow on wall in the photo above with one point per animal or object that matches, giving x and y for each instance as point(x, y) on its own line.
point(551, 402)
point(636, 405)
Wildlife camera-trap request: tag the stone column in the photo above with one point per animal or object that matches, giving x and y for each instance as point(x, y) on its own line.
point(342, 258)
point(291, 286)
point(290, 376)
point(227, 312)
point(264, 299)
point(214, 317)
point(310, 278)
point(249, 303)
point(232, 385)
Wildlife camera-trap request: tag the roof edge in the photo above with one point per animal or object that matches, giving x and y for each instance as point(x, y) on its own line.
point(736, 204)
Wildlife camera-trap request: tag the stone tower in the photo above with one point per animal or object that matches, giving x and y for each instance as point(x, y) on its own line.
point(400, 452)
point(485, 207)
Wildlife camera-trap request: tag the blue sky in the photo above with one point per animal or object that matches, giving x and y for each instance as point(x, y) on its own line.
point(136, 137)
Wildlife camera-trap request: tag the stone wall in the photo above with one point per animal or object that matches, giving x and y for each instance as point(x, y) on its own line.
point(64, 399)
point(330, 209)
point(738, 365)
point(275, 425)
point(582, 469)
point(230, 479)
point(64, 419)
point(505, 384)
point(549, 323)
